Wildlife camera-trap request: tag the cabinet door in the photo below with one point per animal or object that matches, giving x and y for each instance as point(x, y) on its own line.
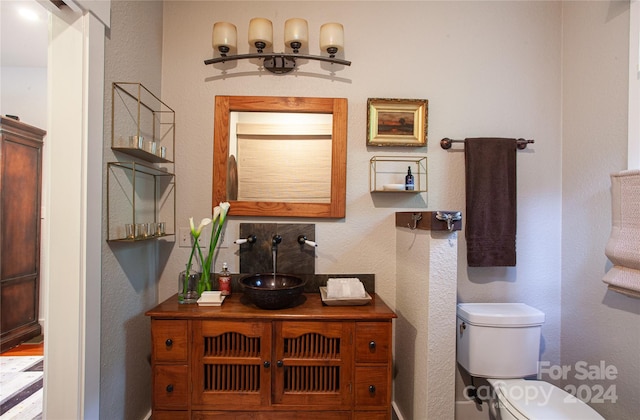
point(313, 363)
point(231, 364)
point(20, 172)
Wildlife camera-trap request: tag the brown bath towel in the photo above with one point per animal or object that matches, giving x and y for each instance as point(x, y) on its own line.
point(490, 174)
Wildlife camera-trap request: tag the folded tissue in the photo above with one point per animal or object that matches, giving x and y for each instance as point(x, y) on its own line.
point(211, 298)
point(340, 288)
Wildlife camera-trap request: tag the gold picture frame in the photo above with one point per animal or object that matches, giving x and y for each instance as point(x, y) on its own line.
point(397, 122)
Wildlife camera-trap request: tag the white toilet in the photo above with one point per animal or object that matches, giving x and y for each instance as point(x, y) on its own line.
point(501, 342)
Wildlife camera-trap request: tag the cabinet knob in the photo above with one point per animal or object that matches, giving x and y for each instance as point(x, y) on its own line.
point(170, 388)
point(267, 364)
point(372, 389)
point(280, 363)
point(372, 345)
point(169, 342)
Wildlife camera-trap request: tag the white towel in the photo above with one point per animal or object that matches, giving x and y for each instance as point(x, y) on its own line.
point(340, 288)
point(623, 247)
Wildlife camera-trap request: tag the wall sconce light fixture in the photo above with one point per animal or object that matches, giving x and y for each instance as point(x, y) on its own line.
point(296, 35)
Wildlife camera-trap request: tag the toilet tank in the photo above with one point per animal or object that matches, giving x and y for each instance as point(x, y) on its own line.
point(498, 340)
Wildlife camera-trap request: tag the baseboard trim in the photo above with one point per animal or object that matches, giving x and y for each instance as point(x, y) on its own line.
point(397, 415)
point(469, 410)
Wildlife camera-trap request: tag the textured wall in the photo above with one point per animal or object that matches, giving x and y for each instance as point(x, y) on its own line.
point(598, 326)
point(133, 53)
point(424, 381)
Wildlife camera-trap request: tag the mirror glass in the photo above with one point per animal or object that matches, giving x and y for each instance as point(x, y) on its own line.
point(280, 156)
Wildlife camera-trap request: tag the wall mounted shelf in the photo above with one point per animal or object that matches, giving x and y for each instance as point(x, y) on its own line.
point(139, 194)
point(387, 174)
point(141, 124)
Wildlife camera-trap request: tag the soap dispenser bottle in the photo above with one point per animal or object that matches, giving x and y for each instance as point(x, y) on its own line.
point(408, 180)
point(224, 280)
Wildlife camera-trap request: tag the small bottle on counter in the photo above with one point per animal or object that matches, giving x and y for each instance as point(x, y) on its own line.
point(408, 180)
point(224, 281)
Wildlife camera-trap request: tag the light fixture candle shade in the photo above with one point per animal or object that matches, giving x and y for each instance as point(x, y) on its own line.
point(260, 33)
point(296, 33)
point(331, 38)
point(225, 36)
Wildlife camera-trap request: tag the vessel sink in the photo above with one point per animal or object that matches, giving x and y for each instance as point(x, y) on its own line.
point(273, 291)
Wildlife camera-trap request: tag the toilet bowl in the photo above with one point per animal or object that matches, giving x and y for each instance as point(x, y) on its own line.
point(501, 342)
point(521, 399)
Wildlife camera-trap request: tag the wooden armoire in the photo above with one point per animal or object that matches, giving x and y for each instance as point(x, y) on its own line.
point(20, 192)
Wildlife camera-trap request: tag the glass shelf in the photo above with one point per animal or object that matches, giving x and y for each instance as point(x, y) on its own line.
point(387, 174)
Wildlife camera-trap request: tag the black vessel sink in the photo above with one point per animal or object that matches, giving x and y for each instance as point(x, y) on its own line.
point(269, 291)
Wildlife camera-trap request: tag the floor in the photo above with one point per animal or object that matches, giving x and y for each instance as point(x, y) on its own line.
point(21, 379)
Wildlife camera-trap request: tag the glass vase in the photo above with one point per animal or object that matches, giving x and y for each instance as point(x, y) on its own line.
point(188, 287)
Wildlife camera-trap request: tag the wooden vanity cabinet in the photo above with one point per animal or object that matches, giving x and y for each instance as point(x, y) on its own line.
point(240, 362)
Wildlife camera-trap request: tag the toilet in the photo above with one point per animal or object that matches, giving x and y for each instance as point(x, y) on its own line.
point(501, 342)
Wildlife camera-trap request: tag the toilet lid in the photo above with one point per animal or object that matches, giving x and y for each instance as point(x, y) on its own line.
point(540, 400)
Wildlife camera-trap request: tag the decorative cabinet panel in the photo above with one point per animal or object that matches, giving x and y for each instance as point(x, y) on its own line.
point(247, 363)
point(231, 363)
point(313, 363)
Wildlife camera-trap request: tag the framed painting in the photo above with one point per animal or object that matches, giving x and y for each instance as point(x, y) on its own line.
point(397, 122)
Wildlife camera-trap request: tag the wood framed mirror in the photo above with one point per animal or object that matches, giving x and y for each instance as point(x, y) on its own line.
point(280, 156)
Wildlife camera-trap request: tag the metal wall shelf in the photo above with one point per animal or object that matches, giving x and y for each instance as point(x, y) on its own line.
point(387, 174)
point(138, 193)
point(143, 127)
point(137, 113)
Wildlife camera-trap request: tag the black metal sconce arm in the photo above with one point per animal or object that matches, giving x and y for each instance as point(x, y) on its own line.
point(277, 62)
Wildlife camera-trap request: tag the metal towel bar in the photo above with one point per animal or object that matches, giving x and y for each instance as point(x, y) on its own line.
point(446, 143)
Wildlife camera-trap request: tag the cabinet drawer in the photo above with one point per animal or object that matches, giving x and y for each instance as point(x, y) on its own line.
point(372, 386)
point(275, 415)
point(170, 415)
point(170, 387)
point(370, 415)
point(169, 340)
point(373, 342)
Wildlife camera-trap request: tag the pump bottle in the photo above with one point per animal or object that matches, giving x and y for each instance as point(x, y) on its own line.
point(224, 280)
point(408, 180)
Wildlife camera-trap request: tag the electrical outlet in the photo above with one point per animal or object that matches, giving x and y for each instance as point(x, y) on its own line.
point(223, 241)
point(185, 238)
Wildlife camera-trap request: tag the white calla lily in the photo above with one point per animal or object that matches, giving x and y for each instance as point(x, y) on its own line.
point(196, 232)
point(217, 221)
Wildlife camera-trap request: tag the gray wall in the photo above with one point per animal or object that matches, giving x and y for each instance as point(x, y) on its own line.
point(133, 53)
